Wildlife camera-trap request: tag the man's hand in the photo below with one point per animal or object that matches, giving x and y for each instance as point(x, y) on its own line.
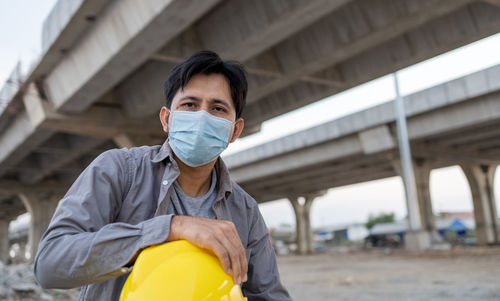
point(218, 236)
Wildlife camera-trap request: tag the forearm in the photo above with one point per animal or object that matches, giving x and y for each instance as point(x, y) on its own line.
point(69, 258)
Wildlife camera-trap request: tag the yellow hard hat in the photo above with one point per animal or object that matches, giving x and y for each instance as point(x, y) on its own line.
point(179, 271)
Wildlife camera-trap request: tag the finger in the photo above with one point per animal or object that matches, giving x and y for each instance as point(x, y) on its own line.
point(234, 238)
point(222, 239)
point(244, 265)
point(222, 254)
point(242, 259)
point(233, 255)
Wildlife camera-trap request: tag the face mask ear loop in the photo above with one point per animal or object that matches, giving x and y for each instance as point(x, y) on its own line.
point(232, 135)
point(166, 121)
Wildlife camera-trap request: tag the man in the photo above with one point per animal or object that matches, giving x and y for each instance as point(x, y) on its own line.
point(129, 199)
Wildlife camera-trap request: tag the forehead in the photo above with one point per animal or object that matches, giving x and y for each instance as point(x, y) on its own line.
point(211, 86)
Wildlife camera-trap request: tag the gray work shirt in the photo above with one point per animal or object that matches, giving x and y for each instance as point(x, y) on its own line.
point(119, 206)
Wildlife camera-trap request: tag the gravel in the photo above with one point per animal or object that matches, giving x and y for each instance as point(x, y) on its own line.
point(17, 282)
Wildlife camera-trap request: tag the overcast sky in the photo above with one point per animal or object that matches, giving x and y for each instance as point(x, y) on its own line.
point(20, 39)
point(20, 33)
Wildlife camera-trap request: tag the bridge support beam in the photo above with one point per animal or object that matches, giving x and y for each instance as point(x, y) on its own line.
point(420, 239)
point(301, 207)
point(4, 240)
point(481, 179)
point(304, 234)
point(422, 170)
point(422, 177)
point(41, 206)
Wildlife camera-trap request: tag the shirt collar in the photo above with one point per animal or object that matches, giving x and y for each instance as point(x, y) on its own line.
point(224, 186)
point(224, 179)
point(164, 153)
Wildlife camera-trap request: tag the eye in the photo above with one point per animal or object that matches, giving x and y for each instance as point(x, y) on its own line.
point(219, 109)
point(188, 105)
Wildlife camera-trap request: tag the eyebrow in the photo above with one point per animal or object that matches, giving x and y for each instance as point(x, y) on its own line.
point(190, 98)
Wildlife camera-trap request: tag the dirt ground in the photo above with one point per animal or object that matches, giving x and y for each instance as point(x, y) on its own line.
point(460, 274)
point(470, 273)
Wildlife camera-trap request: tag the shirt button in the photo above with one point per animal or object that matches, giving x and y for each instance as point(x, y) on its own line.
point(165, 182)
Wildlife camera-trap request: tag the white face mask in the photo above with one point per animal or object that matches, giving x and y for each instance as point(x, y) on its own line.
point(198, 138)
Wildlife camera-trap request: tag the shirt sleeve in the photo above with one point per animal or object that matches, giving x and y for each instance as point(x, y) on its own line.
point(83, 244)
point(263, 276)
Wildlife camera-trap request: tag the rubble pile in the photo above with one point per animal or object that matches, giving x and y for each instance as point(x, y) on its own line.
point(17, 283)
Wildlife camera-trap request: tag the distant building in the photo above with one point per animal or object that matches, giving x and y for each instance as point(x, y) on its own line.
point(284, 236)
point(450, 226)
point(462, 215)
point(338, 233)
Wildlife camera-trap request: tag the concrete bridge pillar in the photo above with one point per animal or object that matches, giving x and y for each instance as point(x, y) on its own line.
point(420, 239)
point(4, 239)
point(422, 170)
point(309, 236)
point(301, 207)
point(41, 206)
point(7, 214)
point(422, 178)
point(481, 179)
point(304, 233)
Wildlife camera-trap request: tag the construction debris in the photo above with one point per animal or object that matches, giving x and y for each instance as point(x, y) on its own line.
point(17, 283)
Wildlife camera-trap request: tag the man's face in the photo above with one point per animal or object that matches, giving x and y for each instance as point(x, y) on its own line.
point(205, 92)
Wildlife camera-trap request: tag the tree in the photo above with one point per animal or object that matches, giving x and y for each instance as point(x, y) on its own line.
point(380, 218)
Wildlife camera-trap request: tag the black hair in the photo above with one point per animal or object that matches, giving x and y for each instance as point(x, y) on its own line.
point(208, 62)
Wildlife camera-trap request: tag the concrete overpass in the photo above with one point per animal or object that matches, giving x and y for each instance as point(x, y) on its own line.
point(110, 58)
point(455, 123)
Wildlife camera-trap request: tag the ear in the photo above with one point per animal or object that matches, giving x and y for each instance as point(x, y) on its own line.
point(164, 114)
point(239, 124)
